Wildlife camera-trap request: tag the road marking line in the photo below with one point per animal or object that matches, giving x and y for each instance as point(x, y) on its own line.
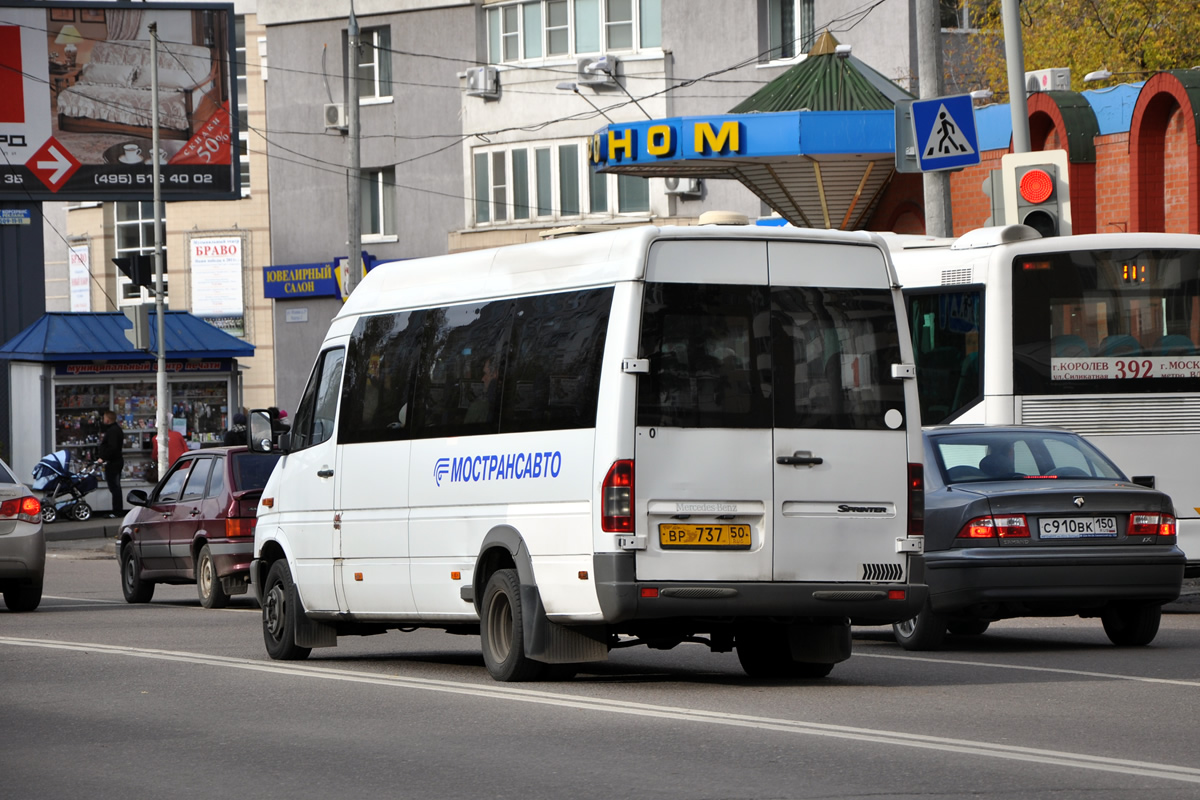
point(1074, 673)
point(505, 692)
point(83, 600)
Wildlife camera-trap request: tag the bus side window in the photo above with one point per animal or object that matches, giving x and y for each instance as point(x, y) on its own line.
point(946, 343)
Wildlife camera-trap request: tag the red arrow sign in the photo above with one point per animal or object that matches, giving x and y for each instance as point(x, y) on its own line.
point(53, 164)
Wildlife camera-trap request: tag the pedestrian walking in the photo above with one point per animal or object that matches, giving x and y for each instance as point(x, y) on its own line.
point(110, 451)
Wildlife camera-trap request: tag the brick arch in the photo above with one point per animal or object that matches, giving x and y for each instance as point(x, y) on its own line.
point(1049, 129)
point(1164, 128)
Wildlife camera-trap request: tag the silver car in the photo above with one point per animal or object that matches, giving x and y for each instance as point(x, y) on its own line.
point(22, 544)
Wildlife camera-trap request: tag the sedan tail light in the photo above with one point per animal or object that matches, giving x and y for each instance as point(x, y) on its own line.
point(25, 509)
point(1010, 527)
point(1151, 525)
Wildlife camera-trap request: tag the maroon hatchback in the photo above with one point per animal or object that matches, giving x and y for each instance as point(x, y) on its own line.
point(195, 526)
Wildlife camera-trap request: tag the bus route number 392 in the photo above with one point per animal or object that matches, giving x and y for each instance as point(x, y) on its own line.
point(725, 537)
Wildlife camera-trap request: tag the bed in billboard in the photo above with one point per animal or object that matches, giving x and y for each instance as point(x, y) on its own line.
point(76, 102)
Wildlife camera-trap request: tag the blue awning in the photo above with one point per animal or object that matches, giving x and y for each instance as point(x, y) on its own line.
point(63, 336)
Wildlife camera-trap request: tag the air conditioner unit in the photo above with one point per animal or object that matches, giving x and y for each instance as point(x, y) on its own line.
point(335, 116)
point(683, 187)
point(1048, 80)
point(483, 82)
point(597, 71)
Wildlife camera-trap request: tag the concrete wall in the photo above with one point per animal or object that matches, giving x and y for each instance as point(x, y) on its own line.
point(308, 165)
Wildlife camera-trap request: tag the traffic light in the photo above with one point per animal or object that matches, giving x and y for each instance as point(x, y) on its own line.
point(139, 268)
point(1037, 200)
point(993, 187)
point(1036, 192)
point(139, 334)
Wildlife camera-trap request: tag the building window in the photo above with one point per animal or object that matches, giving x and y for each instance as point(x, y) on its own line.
point(374, 63)
point(959, 14)
point(135, 236)
point(547, 182)
point(243, 109)
point(378, 202)
point(527, 30)
point(790, 28)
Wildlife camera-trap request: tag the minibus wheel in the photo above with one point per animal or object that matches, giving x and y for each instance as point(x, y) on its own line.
point(502, 633)
point(925, 631)
point(279, 615)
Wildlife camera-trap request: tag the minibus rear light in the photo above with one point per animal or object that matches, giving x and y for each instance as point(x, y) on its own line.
point(896, 594)
point(916, 500)
point(649, 591)
point(616, 498)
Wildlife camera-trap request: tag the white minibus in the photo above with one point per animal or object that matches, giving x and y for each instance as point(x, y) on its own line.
point(650, 436)
point(1096, 333)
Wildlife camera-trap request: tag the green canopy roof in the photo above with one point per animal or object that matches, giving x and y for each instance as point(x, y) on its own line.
point(825, 82)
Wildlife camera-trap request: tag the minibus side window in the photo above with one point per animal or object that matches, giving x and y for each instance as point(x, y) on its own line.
point(316, 415)
point(380, 370)
point(552, 378)
point(460, 376)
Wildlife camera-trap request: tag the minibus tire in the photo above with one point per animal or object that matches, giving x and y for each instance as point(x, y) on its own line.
point(502, 632)
point(133, 587)
point(279, 615)
point(764, 652)
point(208, 584)
point(1132, 624)
point(967, 627)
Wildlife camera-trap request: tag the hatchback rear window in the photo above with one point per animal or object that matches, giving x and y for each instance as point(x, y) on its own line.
point(251, 470)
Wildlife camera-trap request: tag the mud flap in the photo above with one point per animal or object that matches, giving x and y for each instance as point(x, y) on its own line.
point(552, 643)
point(825, 641)
point(309, 633)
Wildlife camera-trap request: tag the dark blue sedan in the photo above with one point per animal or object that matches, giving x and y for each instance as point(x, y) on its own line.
point(1029, 522)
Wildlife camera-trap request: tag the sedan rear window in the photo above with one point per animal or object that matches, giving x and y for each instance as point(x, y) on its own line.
point(251, 470)
point(1019, 455)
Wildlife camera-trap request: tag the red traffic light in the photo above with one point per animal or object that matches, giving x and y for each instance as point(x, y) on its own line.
point(1036, 186)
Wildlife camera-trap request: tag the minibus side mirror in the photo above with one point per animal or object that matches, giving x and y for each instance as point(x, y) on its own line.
point(258, 432)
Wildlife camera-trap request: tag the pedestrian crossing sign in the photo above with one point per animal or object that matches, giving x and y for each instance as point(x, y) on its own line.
point(944, 132)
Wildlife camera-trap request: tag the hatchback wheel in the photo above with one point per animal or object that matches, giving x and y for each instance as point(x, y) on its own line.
point(1132, 624)
point(208, 584)
point(135, 589)
point(925, 631)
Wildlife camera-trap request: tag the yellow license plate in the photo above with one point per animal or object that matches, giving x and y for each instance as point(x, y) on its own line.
point(725, 537)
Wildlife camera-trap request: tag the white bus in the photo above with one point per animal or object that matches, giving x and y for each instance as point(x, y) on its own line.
point(645, 436)
point(1095, 333)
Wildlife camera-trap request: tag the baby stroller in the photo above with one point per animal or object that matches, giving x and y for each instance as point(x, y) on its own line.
point(62, 490)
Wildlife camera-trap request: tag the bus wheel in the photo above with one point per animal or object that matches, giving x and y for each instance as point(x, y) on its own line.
point(925, 631)
point(1132, 624)
point(502, 633)
point(279, 616)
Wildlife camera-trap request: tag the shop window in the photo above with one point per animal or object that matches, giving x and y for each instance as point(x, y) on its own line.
point(135, 235)
point(790, 28)
point(532, 30)
point(378, 202)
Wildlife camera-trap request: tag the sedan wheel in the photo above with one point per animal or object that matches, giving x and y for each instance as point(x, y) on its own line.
point(1132, 624)
point(925, 631)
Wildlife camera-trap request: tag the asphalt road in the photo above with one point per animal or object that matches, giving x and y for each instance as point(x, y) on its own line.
point(103, 699)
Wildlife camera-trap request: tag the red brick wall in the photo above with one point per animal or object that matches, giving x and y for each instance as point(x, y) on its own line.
point(1112, 182)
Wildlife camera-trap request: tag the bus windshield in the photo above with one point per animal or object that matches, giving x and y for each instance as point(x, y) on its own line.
point(1106, 321)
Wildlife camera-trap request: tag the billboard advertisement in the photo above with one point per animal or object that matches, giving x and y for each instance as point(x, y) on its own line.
point(76, 110)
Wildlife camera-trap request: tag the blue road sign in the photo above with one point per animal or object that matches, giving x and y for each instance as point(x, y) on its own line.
point(944, 131)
